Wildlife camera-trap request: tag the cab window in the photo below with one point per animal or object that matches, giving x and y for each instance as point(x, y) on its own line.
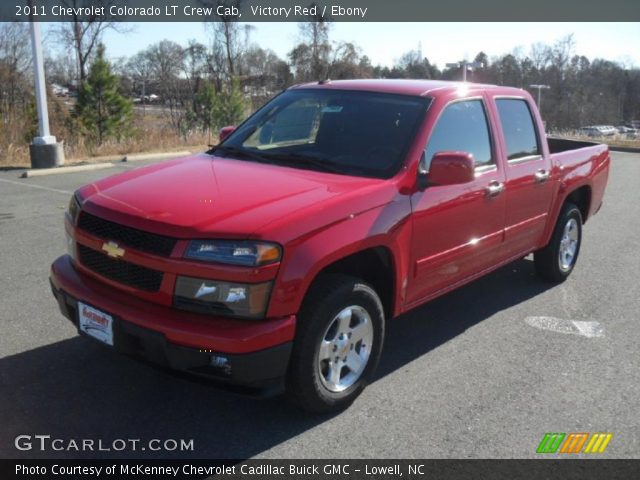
point(518, 129)
point(462, 127)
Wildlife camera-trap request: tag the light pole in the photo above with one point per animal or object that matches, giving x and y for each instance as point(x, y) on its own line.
point(465, 65)
point(44, 151)
point(540, 88)
point(40, 87)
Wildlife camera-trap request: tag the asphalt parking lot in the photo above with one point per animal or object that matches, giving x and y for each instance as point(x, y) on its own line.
point(476, 373)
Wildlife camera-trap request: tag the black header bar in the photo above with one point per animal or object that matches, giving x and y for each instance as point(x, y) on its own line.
point(329, 469)
point(308, 10)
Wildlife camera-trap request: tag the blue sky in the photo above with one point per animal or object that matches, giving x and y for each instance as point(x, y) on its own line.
point(385, 42)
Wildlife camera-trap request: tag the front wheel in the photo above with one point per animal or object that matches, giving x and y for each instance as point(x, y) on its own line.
point(338, 343)
point(555, 262)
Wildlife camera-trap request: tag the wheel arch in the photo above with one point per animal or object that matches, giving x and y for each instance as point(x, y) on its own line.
point(375, 266)
point(581, 198)
point(580, 195)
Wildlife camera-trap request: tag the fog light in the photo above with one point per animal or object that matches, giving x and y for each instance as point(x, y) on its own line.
point(221, 363)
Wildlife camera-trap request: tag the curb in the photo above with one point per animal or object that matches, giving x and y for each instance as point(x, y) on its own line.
point(137, 156)
point(57, 170)
point(110, 162)
point(153, 156)
point(625, 149)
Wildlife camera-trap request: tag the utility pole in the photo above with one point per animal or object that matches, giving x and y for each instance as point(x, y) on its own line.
point(540, 88)
point(465, 66)
point(45, 151)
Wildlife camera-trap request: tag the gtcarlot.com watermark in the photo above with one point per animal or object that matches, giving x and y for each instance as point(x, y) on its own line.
point(46, 443)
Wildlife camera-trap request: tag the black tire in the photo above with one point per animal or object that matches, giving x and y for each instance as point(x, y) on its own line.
point(548, 263)
point(330, 295)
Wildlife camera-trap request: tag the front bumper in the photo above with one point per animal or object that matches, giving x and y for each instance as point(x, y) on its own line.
point(253, 354)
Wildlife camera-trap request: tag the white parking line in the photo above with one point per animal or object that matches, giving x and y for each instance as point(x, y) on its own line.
point(22, 184)
point(572, 327)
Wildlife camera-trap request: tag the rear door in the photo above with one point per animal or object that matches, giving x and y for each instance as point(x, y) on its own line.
point(528, 190)
point(458, 229)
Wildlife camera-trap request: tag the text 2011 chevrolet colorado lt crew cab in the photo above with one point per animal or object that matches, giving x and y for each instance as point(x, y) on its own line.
point(276, 258)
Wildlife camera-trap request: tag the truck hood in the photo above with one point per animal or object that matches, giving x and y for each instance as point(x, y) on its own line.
point(204, 196)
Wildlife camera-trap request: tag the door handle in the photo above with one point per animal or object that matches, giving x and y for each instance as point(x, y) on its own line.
point(495, 188)
point(542, 175)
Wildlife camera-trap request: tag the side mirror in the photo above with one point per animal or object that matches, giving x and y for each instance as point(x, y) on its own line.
point(225, 132)
point(447, 168)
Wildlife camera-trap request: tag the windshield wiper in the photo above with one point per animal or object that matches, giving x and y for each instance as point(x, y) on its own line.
point(298, 159)
point(239, 152)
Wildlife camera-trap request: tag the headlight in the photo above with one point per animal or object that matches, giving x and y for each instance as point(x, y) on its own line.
point(74, 209)
point(222, 298)
point(246, 253)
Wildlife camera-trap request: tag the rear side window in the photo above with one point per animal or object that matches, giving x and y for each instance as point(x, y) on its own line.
point(518, 128)
point(462, 127)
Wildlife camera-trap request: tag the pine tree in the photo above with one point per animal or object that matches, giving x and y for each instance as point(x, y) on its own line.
point(231, 105)
point(205, 105)
point(102, 111)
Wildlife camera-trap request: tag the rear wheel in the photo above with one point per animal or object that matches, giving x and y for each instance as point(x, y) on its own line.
point(556, 261)
point(338, 343)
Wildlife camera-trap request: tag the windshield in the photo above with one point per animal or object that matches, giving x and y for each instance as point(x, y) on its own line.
point(340, 131)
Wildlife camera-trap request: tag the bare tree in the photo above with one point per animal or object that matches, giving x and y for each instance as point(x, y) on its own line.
point(15, 60)
point(61, 69)
point(311, 58)
point(139, 66)
point(84, 33)
point(195, 63)
point(562, 51)
point(415, 65)
point(264, 74)
point(230, 38)
point(139, 69)
point(17, 119)
point(14, 46)
point(540, 55)
point(166, 59)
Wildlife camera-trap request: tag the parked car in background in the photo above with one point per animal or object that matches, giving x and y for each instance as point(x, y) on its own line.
point(598, 131)
point(627, 132)
point(589, 131)
point(607, 130)
point(275, 260)
point(59, 90)
point(153, 98)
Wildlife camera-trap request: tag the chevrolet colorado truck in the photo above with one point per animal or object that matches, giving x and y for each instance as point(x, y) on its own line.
point(273, 261)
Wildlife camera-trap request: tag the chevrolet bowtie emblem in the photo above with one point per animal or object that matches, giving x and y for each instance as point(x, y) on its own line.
point(112, 249)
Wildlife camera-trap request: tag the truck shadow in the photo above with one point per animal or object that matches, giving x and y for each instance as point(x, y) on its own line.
point(427, 327)
point(75, 388)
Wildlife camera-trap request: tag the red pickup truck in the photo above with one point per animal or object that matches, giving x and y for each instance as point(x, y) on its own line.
point(274, 260)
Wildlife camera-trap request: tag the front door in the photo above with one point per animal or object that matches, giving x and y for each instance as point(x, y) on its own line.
point(458, 229)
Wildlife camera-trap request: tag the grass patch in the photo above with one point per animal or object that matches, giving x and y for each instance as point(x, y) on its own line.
point(152, 134)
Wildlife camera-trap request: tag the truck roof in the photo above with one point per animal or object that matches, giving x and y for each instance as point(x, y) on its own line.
point(405, 86)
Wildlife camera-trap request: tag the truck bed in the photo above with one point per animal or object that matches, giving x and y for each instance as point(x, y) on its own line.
point(559, 145)
point(581, 162)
